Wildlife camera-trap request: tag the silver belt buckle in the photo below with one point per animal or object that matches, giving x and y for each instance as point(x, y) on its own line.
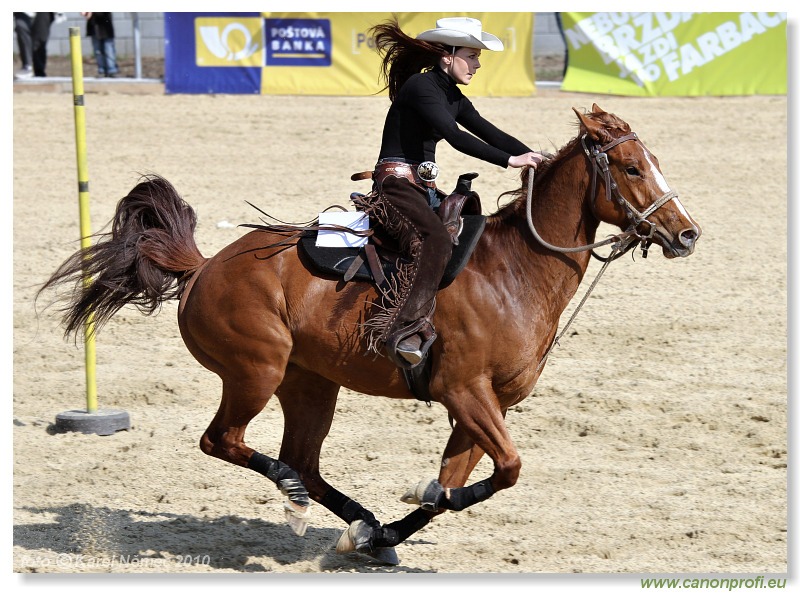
point(428, 171)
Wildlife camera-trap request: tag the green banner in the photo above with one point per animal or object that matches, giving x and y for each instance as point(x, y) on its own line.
point(676, 53)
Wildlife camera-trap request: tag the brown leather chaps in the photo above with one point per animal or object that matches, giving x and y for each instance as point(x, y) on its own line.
point(408, 306)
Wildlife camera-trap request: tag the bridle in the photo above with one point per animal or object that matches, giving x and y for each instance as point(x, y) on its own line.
point(598, 158)
point(621, 243)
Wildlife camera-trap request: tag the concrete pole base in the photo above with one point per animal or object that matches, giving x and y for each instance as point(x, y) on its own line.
point(103, 422)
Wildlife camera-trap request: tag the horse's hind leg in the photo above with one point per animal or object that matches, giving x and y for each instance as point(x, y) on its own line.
point(242, 400)
point(308, 402)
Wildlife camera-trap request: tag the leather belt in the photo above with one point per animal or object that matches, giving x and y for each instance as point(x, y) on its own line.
point(399, 169)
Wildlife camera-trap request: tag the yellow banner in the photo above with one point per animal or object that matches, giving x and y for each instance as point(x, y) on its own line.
point(333, 54)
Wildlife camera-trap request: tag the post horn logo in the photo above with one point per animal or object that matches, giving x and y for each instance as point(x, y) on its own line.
point(219, 42)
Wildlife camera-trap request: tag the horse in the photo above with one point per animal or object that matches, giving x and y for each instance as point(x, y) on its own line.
point(266, 323)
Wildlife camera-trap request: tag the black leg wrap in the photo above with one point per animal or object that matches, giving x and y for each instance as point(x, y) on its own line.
point(397, 532)
point(346, 509)
point(461, 498)
point(286, 478)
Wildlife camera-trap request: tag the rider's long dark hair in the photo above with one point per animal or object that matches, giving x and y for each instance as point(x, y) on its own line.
point(402, 56)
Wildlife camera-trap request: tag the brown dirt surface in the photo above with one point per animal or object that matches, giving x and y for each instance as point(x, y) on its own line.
point(654, 442)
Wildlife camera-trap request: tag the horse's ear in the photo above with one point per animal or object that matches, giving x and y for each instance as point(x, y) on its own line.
point(596, 109)
point(592, 127)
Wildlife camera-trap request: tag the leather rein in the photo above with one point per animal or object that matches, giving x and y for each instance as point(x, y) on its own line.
point(621, 243)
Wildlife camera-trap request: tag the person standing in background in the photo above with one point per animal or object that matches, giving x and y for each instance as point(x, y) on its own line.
point(100, 27)
point(33, 31)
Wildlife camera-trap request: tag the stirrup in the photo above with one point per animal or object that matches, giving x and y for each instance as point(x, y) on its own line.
point(407, 347)
point(410, 349)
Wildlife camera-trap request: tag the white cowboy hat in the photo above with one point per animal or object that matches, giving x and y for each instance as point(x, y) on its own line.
point(461, 32)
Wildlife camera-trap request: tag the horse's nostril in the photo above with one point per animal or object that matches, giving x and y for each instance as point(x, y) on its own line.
point(688, 237)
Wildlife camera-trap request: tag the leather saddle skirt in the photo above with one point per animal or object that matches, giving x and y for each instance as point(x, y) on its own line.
point(338, 261)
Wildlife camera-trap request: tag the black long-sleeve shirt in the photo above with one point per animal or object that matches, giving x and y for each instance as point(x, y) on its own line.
point(429, 108)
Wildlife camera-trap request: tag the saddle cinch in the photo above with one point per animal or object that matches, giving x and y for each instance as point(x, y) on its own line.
point(376, 261)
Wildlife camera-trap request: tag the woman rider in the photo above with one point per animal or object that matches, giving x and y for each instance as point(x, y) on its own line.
point(422, 75)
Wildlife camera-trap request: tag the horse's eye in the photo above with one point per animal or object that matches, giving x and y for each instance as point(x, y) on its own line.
point(631, 171)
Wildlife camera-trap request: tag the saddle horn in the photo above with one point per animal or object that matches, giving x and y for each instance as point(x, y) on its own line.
point(464, 184)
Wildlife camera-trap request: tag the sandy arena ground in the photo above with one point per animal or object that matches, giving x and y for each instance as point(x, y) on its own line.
point(655, 441)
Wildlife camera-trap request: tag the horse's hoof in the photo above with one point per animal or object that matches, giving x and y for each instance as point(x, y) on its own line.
point(356, 539)
point(385, 555)
point(345, 544)
point(297, 517)
point(414, 495)
point(426, 494)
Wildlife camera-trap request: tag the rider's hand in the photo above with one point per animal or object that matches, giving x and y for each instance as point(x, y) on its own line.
point(532, 159)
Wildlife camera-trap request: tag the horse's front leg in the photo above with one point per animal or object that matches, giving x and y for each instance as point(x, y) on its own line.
point(480, 428)
point(459, 459)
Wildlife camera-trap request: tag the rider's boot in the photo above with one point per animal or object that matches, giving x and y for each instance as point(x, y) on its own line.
point(407, 347)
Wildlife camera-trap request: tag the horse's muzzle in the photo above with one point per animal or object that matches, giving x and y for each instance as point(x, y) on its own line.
point(680, 245)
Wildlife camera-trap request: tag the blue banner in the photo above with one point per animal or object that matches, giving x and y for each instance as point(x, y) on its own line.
point(187, 41)
point(298, 42)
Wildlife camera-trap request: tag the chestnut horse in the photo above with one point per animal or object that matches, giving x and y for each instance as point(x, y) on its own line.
point(260, 318)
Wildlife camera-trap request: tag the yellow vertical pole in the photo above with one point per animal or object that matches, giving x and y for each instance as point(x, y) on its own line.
point(83, 204)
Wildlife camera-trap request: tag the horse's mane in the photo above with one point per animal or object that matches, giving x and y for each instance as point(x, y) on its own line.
point(542, 173)
point(613, 127)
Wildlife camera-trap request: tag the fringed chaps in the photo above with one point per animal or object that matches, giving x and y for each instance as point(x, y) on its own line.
point(409, 296)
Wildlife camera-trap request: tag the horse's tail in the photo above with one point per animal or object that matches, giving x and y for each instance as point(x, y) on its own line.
point(147, 258)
